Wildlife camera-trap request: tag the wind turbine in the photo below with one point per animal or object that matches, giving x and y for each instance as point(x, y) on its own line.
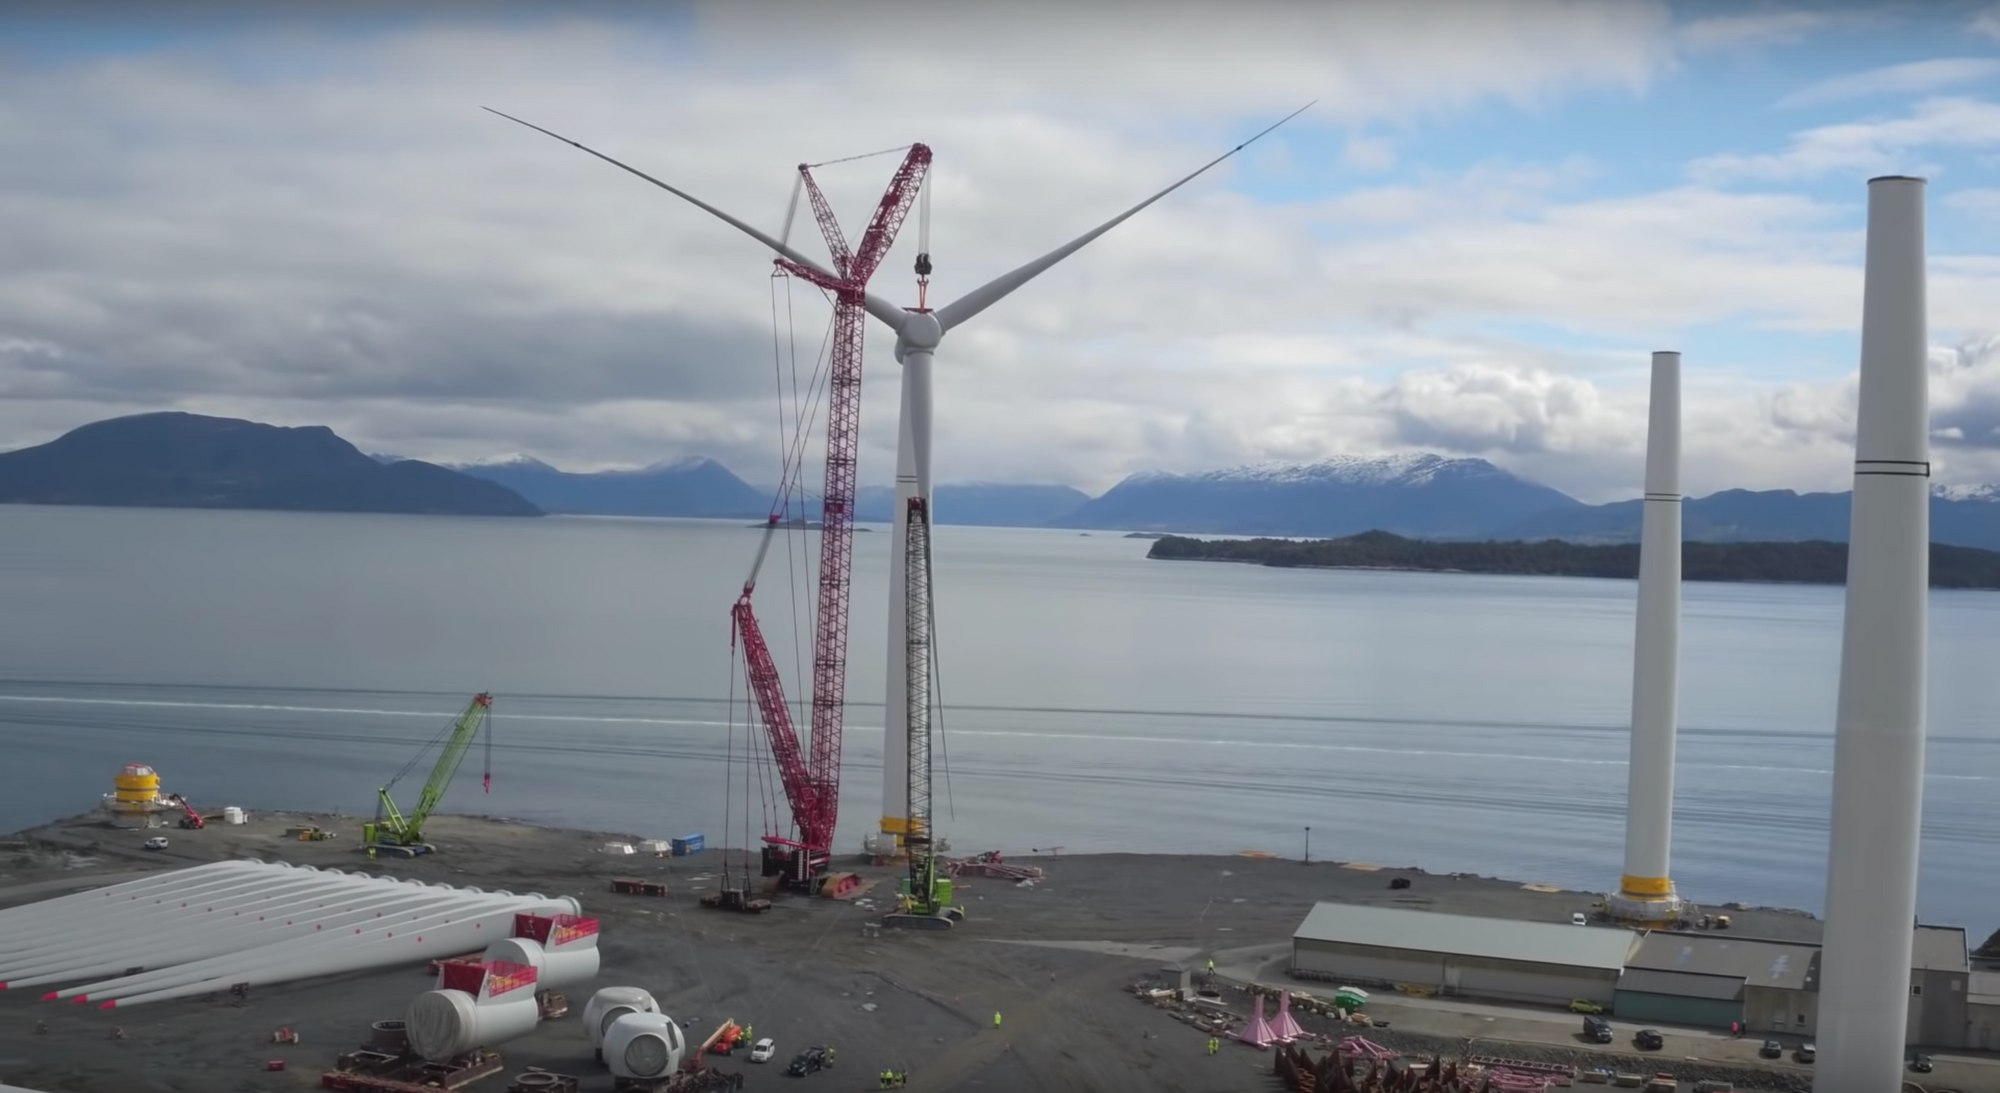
point(919, 331)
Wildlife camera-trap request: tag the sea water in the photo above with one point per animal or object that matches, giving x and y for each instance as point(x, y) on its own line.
point(1092, 700)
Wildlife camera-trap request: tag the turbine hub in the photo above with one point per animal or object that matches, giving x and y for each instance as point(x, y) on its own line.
point(921, 331)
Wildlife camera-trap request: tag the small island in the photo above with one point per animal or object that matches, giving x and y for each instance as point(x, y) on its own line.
point(1814, 562)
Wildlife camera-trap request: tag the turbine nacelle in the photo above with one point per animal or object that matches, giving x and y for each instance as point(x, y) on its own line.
point(917, 330)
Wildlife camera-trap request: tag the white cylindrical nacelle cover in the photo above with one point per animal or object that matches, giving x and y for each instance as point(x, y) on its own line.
point(563, 967)
point(611, 1003)
point(445, 1024)
point(643, 1045)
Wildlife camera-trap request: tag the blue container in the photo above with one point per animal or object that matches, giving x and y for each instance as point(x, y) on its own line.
point(687, 844)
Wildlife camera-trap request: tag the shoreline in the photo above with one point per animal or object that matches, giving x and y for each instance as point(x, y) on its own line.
point(60, 834)
point(1056, 956)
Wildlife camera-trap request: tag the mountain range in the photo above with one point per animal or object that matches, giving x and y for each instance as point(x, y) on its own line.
point(701, 487)
point(189, 460)
point(177, 460)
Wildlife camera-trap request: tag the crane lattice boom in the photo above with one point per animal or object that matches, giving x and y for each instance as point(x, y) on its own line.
point(393, 828)
point(812, 780)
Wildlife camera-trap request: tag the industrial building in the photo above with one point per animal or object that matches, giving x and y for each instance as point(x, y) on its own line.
point(1503, 959)
point(1711, 979)
point(1982, 1011)
point(1940, 973)
point(1701, 979)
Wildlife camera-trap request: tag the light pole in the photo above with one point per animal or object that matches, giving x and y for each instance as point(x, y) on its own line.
point(1309, 844)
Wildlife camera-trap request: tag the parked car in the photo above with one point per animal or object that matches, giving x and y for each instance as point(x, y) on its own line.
point(1597, 1030)
point(1649, 1039)
point(807, 1061)
point(1806, 1053)
point(762, 1050)
point(157, 842)
point(1920, 1063)
point(1772, 1049)
point(1585, 1005)
point(1578, 918)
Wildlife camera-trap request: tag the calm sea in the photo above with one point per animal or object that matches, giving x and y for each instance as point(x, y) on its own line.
point(1095, 701)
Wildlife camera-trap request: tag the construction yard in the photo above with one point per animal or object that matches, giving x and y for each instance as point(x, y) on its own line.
point(1034, 991)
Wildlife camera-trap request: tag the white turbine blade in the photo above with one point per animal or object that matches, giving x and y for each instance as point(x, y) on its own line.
point(881, 309)
point(992, 292)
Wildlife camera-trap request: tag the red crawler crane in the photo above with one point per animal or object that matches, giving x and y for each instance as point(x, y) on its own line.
point(812, 781)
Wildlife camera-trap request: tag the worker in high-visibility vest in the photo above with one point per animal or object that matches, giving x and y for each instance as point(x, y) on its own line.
point(1213, 1045)
point(996, 1018)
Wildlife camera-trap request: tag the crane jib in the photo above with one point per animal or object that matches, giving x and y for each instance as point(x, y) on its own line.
point(811, 775)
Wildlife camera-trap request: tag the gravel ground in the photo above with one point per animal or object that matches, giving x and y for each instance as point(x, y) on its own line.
point(802, 974)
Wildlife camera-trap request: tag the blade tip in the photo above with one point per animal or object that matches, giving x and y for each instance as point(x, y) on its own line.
point(108, 1005)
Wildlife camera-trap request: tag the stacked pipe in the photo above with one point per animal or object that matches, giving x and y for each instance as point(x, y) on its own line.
point(475, 1006)
point(199, 930)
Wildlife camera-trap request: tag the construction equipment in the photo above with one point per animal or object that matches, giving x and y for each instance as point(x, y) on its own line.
point(925, 900)
point(403, 836)
point(812, 781)
point(735, 899)
point(722, 1041)
point(192, 820)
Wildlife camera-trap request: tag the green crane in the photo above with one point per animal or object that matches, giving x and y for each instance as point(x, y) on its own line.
point(393, 832)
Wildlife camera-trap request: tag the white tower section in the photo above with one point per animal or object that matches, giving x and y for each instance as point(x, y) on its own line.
point(1646, 892)
point(1878, 757)
point(916, 345)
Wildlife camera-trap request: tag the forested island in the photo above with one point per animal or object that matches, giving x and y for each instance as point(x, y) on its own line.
point(1777, 563)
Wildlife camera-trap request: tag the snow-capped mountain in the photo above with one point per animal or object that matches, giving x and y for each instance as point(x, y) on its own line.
point(1418, 495)
point(1960, 516)
point(1984, 493)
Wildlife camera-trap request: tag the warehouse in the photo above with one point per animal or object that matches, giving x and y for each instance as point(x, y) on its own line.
point(1939, 1013)
point(1982, 1008)
point(1460, 955)
point(1711, 980)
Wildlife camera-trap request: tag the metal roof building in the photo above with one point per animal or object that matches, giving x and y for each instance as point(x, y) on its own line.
point(1709, 980)
point(1461, 955)
point(1982, 1004)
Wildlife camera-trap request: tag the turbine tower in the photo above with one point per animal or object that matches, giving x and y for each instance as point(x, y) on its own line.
point(1646, 893)
point(1878, 749)
point(919, 331)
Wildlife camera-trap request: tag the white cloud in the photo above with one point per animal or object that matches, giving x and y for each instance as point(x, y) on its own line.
point(1986, 23)
point(351, 242)
point(1748, 31)
point(1913, 78)
point(1368, 154)
point(1981, 201)
point(1879, 146)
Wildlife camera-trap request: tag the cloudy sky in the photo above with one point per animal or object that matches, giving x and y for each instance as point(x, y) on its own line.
point(1469, 245)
